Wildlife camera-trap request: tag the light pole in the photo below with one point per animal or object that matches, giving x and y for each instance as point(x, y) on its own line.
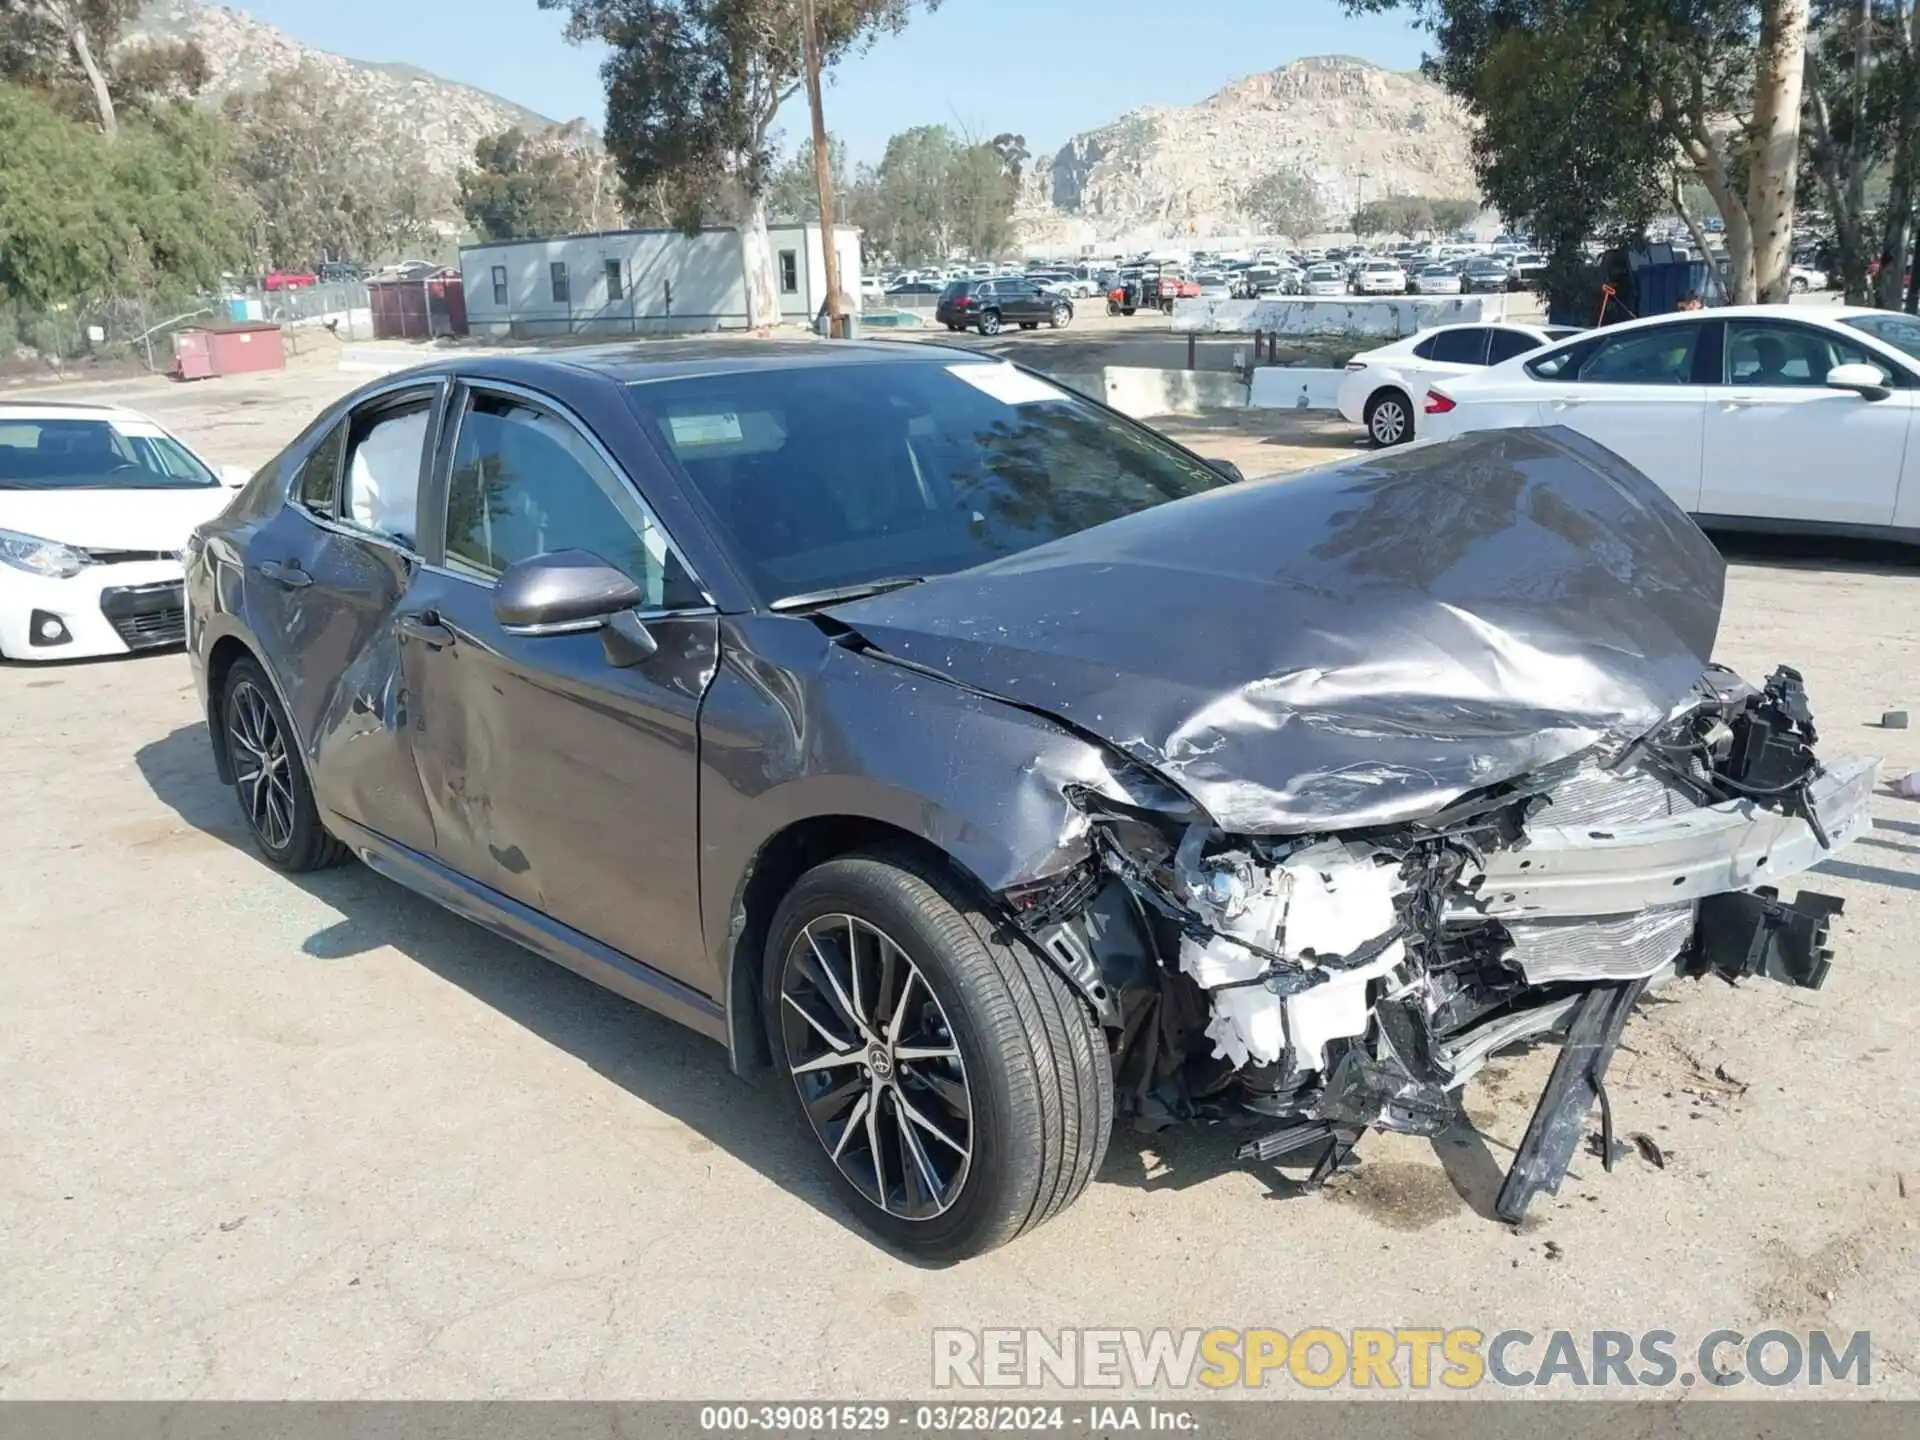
point(822, 168)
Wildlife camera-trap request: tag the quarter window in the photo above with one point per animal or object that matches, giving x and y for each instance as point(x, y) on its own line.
point(384, 448)
point(527, 483)
point(320, 475)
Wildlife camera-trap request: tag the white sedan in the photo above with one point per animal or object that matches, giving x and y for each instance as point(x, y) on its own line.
point(1384, 389)
point(1436, 280)
point(1380, 277)
point(95, 504)
point(1325, 280)
point(1760, 417)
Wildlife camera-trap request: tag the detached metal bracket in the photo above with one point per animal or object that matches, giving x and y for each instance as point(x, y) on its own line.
point(1757, 933)
point(1577, 1084)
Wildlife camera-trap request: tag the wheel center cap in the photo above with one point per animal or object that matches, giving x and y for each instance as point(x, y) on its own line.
point(880, 1062)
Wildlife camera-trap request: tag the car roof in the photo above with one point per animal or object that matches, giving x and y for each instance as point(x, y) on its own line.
point(66, 410)
point(1820, 315)
point(643, 362)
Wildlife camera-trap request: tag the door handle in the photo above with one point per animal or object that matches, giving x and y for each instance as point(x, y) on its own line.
point(427, 629)
point(1568, 403)
point(288, 574)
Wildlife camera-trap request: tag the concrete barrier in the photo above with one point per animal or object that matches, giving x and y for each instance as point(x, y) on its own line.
point(1278, 387)
point(1141, 392)
point(1387, 317)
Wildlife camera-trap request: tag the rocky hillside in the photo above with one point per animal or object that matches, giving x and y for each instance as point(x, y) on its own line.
point(1165, 172)
point(444, 119)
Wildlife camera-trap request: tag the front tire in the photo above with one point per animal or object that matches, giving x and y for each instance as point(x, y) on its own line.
point(1389, 417)
point(960, 1092)
point(1797, 286)
point(270, 777)
point(1061, 317)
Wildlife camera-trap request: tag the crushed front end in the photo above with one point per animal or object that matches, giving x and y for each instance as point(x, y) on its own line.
point(1322, 984)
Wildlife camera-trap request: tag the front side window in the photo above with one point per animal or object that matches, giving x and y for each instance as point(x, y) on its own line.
point(1768, 354)
point(56, 453)
point(527, 483)
point(562, 288)
point(1661, 355)
point(385, 444)
point(829, 475)
point(789, 273)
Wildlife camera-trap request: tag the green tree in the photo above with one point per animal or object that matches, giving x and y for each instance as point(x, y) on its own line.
point(794, 192)
point(1609, 100)
point(554, 182)
point(83, 219)
point(327, 180)
point(693, 88)
point(1285, 202)
point(934, 194)
point(72, 51)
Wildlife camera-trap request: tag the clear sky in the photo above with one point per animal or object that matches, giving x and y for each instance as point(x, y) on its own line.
point(1042, 68)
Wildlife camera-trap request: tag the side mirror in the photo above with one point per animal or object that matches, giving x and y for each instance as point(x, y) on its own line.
point(235, 477)
point(562, 592)
point(1228, 469)
point(1865, 380)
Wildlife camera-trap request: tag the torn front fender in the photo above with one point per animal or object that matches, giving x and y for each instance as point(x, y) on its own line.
point(1352, 646)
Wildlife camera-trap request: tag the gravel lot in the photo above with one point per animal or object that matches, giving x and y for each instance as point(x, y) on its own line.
point(316, 1138)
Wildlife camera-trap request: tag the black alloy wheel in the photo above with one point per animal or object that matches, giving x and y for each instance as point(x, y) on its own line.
point(877, 1067)
point(269, 777)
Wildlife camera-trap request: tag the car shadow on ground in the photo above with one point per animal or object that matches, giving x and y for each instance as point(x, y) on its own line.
point(669, 1067)
point(1816, 552)
point(659, 1062)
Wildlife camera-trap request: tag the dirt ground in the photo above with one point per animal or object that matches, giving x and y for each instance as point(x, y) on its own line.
point(267, 1137)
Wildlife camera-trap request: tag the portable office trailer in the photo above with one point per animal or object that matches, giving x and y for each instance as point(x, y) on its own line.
point(621, 282)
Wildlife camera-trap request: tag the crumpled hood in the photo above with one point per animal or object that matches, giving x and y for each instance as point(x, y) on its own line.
point(1356, 645)
point(152, 519)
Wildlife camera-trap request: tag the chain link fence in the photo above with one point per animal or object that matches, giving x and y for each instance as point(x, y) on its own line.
point(135, 332)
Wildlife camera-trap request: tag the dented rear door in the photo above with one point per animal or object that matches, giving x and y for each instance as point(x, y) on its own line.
point(326, 579)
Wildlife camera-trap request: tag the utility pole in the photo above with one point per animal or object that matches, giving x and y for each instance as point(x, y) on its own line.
point(822, 170)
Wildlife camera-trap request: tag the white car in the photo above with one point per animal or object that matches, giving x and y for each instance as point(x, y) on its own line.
point(1764, 417)
point(1380, 277)
point(1325, 280)
point(1802, 278)
point(95, 504)
point(1384, 389)
point(1436, 280)
point(1214, 286)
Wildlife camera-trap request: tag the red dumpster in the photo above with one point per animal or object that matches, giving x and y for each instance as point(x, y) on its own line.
point(228, 349)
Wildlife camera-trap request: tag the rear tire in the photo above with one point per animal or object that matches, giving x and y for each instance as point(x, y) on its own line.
point(1062, 316)
point(270, 776)
point(1389, 418)
point(999, 1079)
point(1797, 286)
point(990, 322)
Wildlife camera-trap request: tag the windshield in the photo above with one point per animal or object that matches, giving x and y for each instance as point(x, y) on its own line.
point(1900, 331)
point(63, 454)
point(827, 476)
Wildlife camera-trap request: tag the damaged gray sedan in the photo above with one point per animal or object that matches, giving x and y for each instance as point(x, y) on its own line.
point(995, 771)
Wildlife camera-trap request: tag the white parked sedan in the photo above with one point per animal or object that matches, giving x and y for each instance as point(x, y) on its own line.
point(1436, 280)
point(1384, 389)
point(1380, 277)
point(1761, 417)
point(1324, 280)
point(95, 504)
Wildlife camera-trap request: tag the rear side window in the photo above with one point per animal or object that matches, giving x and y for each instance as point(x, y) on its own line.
point(1460, 347)
point(382, 477)
point(319, 488)
point(1508, 343)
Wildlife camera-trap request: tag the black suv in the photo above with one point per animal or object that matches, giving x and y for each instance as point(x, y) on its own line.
point(987, 305)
